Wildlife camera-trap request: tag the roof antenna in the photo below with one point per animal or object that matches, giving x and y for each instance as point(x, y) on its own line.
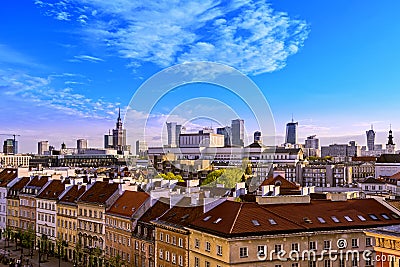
point(292, 118)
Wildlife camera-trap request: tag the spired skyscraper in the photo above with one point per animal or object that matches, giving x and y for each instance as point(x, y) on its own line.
point(371, 139)
point(117, 140)
point(291, 133)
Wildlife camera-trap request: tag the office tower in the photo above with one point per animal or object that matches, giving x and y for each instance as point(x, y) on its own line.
point(81, 144)
point(43, 148)
point(291, 133)
point(108, 140)
point(141, 148)
point(237, 132)
point(257, 137)
point(371, 139)
point(173, 131)
point(10, 146)
point(312, 142)
point(227, 133)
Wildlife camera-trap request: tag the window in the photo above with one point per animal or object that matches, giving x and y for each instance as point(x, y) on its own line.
point(368, 261)
point(167, 255)
point(207, 263)
point(196, 243)
point(313, 245)
point(173, 258)
point(243, 253)
point(219, 250)
point(354, 262)
point(261, 251)
point(278, 248)
point(295, 265)
point(327, 263)
point(341, 263)
point(161, 254)
point(295, 246)
point(167, 238)
point(180, 242)
point(327, 244)
point(368, 242)
point(161, 236)
point(354, 242)
point(180, 261)
point(196, 262)
point(312, 264)
point(208, 246)
point(173, 240)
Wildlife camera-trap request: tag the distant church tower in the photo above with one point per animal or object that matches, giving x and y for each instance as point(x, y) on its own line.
point(390, 146)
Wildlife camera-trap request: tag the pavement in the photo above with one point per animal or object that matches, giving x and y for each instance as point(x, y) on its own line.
point(27, 261)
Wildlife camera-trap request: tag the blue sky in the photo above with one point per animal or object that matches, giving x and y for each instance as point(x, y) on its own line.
point(66, 66)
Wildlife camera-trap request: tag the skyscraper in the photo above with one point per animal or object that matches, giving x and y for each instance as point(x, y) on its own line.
point(81, 144)
point(173, 131)
point(237, 132)
point(141, 148)
point(43, 148)
point(227, 133)
point(312, 142)
point(291, 133)
point(117, 140)
point(370, 139)
point(10, 146)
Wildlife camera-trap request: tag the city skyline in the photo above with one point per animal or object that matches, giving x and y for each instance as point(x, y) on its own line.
point(67, 66)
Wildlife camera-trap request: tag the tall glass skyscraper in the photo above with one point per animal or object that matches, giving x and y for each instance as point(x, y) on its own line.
point(238, 132)
point(291, 133)
point(371, 139)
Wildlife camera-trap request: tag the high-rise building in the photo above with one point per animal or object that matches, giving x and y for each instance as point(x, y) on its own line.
point(81, 144)
point(291, 133)
point(141, 148)
point(43, 148)
point(390, 146)
point(312, 142)
point(237, 132)
point(257, 137)
point(10, 146)
point(173, 131)
point(227, 133)
point(370, 139)
point(117, 140)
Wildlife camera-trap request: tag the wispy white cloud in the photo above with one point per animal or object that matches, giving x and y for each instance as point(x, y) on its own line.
point(81, 58)
point(246, 34)
point(39, 91)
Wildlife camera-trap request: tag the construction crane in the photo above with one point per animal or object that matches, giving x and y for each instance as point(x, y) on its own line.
point(13, 135)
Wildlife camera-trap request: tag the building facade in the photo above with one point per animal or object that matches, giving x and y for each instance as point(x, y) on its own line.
point(237, 132)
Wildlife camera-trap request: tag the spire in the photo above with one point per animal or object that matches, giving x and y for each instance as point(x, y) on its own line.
point(292, 118)
point(390, 141)
point(119, 113)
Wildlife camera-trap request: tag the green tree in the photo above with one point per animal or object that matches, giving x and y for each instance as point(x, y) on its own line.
point(170, 176)
point(230, 177)
point(212, 177)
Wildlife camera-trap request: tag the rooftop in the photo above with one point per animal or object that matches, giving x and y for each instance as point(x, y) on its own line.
point(389, 158)
point(20, 184)
point(38, 181)
point(53, 190)
point(128, 203)
point(73, 194)
point(7, 175)
point(242, 219)
point(158, 209)
point(99, 192)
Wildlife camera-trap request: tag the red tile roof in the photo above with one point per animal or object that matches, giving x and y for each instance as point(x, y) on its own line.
point(396, 176)
point(181, 216)
point(20, 184)
point(38, 181)
point(128, 203)
point(242, 219)
point(99, 193)
point(281, 181)
point(53, 190)
point(73, 194)
point(158, 209)
point(7, 175)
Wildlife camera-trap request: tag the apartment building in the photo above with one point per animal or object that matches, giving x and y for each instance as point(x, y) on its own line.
point(143, 235)
point(67, 220)
point(6, 177)
point(172, 237)
point(92, 206)
point(303, 234)
point(119, 226)
point(14, 204)
point(27, 198)
point(46, 211)
point(386, 245)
